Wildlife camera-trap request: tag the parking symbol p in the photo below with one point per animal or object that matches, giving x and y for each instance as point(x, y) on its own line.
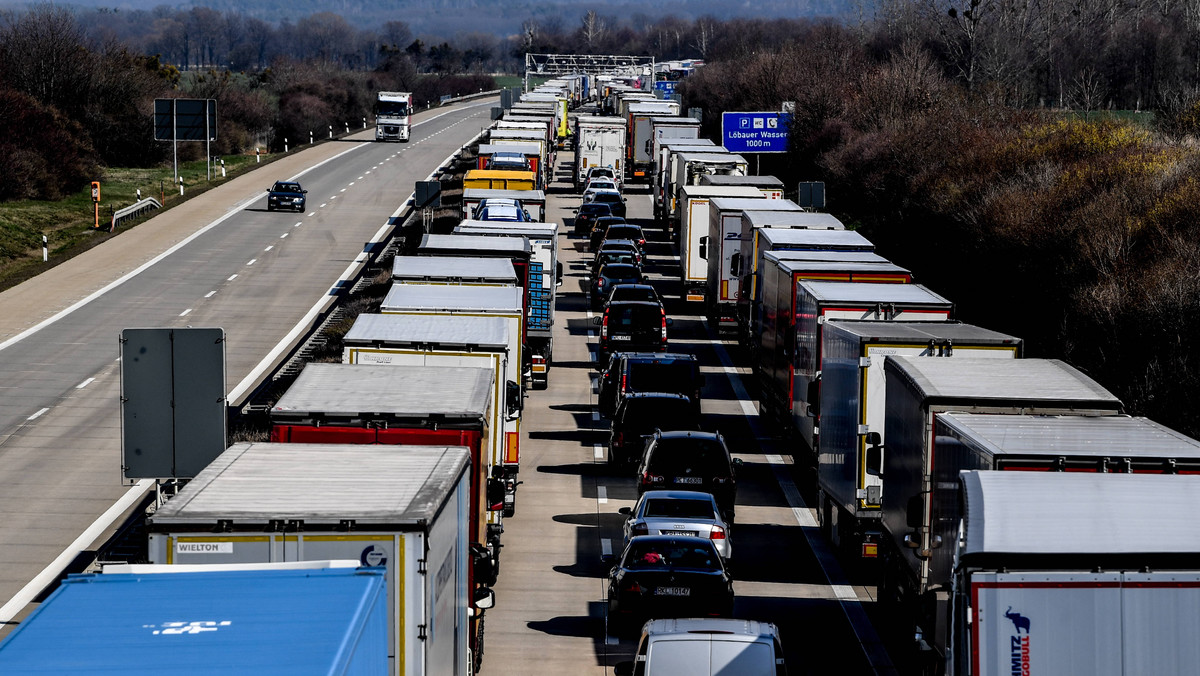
point(745, 122)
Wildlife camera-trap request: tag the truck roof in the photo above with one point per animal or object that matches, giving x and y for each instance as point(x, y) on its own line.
point(920, 332)
point(887, 294)
point(523, 195)
point(319, 483)
point(453, 331)
point(744, 191)
point(318, 614)
point(521, 148)
point(517, 133)
point(599, 120)
point(1068, 435)
point(348, 390)
point(789, 266)
point(791, 218)
point(833, 255)
point(440, 245)
point(806, 237)
point(742, 203)
point(1075, 513)
point(714, 158)
point(756, 181)
point(653, 107)
point(523, 228)
point(476, 268)
point(459, 298)
point(674, 121)
point(1011, 381)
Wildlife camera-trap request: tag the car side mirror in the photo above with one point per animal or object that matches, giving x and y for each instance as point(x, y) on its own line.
point(874, 460)
point(485, 598)
point(597, 320)
point(627, 511)
point(558, 275)
point(303, 192)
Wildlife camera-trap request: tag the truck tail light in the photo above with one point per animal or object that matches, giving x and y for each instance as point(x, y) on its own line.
point(718, 533)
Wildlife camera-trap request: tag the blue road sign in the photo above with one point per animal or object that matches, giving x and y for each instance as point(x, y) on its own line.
point(667, 87)
point(759, 132)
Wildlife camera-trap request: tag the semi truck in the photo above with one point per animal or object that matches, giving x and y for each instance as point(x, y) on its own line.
point(545, 276)
point(402, 508)
point(692, 226)
point(492, 179)
point(515, 248)
point(599, 142)
point(794, 316)
point(723, 248)
point(446, 270)
point(852, 404)
point(664, 196)
point(393, 116)
point(920, 468)
point(640, 130)
point(448, 340)
point(688, 167)
point(533, 153)
point(532, 201)
point(772, 187)
point(1061, 573)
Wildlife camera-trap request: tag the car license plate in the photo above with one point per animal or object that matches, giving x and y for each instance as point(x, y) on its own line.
point(688, 480)
point(621, 337)
point(688, 533)
point(673, 591)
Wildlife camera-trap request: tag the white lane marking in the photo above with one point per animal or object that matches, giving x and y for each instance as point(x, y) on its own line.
point(332, 198)
point(605, 547)
point(84, 384)
point(849, 602)
point(298, 224)
point(369, 171)
point(602, 495)
point(185, 312)
point(231, 278)
point(210, 294)
point(342, 190)
point(284, 235)
point(252, 261)
point(269, 248)
point(37, 415)
point(350, 183)
point(598, 451)
point(314, 213)
point(359, 178)
point(323, 205)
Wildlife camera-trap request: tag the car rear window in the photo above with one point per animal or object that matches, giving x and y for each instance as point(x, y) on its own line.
point(624, 232)
point(634, 293)
point(606, 197)
point(663, 554)
point(683, 508)
point(647, 414)
point(703, 455)
point(634, 315)
point(676, 377)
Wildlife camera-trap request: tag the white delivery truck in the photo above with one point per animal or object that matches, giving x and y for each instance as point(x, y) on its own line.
point(692, 226)
point(448, 340)
point(640, 130)
point(404, 508)
point(920, 467)
point(545, 276)
point(1063, 574)
point(852, 404)
point(393, 116)
point(468, 271)
point(688, 167)
point(599, 142)
point(660, 179)
point(723, 251)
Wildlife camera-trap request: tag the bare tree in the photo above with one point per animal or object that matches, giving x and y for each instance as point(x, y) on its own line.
point(592, 28)
point(706, 30)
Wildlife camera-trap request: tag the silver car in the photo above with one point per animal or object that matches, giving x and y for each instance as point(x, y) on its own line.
point(689, 513)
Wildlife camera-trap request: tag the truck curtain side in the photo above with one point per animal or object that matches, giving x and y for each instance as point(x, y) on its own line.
point(664, 193)
point(692, 226)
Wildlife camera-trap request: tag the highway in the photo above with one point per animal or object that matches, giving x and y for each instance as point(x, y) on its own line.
point(227, 262)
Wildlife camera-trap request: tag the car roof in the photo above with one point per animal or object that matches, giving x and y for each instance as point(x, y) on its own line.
point(659, 356)
point(605, 191)
point(596, 205)
point(618, 220)
point(704, 629)
point(684, 434)
point(617, 242)
point(677, 495)
point(632, 303)
point(616, 268)
point(634, 396)
point(627, 223)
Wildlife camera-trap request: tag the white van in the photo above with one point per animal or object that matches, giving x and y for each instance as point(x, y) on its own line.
point(707, 647)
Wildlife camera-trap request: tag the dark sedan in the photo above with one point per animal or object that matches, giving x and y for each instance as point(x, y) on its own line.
point(667, 576)
point(586, 217)
point(286, 195)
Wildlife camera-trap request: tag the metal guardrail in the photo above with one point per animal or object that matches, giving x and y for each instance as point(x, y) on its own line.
point(468, 97)
point(133, 211)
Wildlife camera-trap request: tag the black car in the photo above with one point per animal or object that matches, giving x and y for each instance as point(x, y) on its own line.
point(587, 214)
point(600, 229)
point(629, 372)
point(615, 247)
point(631, 325)
point(693, 461)
point(286, 195)
point(613, 273)
point(627, 231)
point(640, 415)
point(611, 198)
point(667, 576)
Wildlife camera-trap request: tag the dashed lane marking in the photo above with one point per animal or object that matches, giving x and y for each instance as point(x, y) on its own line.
point(185, 312)
point(85, 383)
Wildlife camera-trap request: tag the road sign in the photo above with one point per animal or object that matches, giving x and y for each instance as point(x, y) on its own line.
point(185, 119)
point(667, 87)
point(755, 132)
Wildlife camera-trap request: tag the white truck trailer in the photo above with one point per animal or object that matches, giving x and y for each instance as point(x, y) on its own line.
point(688, 167)
point(667, 149)
point(852, 404)
point(404, 508)
point(920, 465)
point(393, 116)
point(640, 130)
point(599, 142)
point(692, 226)
point(467, 271)
point(1063, 574)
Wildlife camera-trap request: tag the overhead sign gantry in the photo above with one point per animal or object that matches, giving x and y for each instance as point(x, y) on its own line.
point(565, 64)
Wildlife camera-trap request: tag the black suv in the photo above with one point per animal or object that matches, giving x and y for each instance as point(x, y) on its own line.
point(600, 228)
point(587, 214)
point(633, 325)
point(629, 372)
point(640, 415)
point(286, 195)
point(693, 461)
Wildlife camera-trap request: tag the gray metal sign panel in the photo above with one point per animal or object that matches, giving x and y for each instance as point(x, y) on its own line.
point(185, 119)
point(172, 401)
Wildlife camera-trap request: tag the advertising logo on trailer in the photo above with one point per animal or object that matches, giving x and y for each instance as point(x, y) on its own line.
point(1019, 644)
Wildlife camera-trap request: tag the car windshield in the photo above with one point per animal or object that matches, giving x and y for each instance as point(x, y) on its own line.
point(623, 231)
point(681, 508)
point(594, 209)
point(676, 377)
point(626, 316)
point(699, 455)
point(287, 187)
point(671, 554)
point(621, 271)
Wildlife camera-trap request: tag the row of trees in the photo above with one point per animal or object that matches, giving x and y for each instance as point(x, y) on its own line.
point(1081, 236)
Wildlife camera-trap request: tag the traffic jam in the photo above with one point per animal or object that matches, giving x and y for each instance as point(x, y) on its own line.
point(795, 458)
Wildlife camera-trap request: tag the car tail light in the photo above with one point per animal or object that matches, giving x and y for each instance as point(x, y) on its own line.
point(624, 381)
point(636, 588)
point(718, 533)
point(604, 326)
point(720, 480)
point(648, 478)
point(600, 282)
point(664, 326)
point(618, 439)
point(640, 529)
